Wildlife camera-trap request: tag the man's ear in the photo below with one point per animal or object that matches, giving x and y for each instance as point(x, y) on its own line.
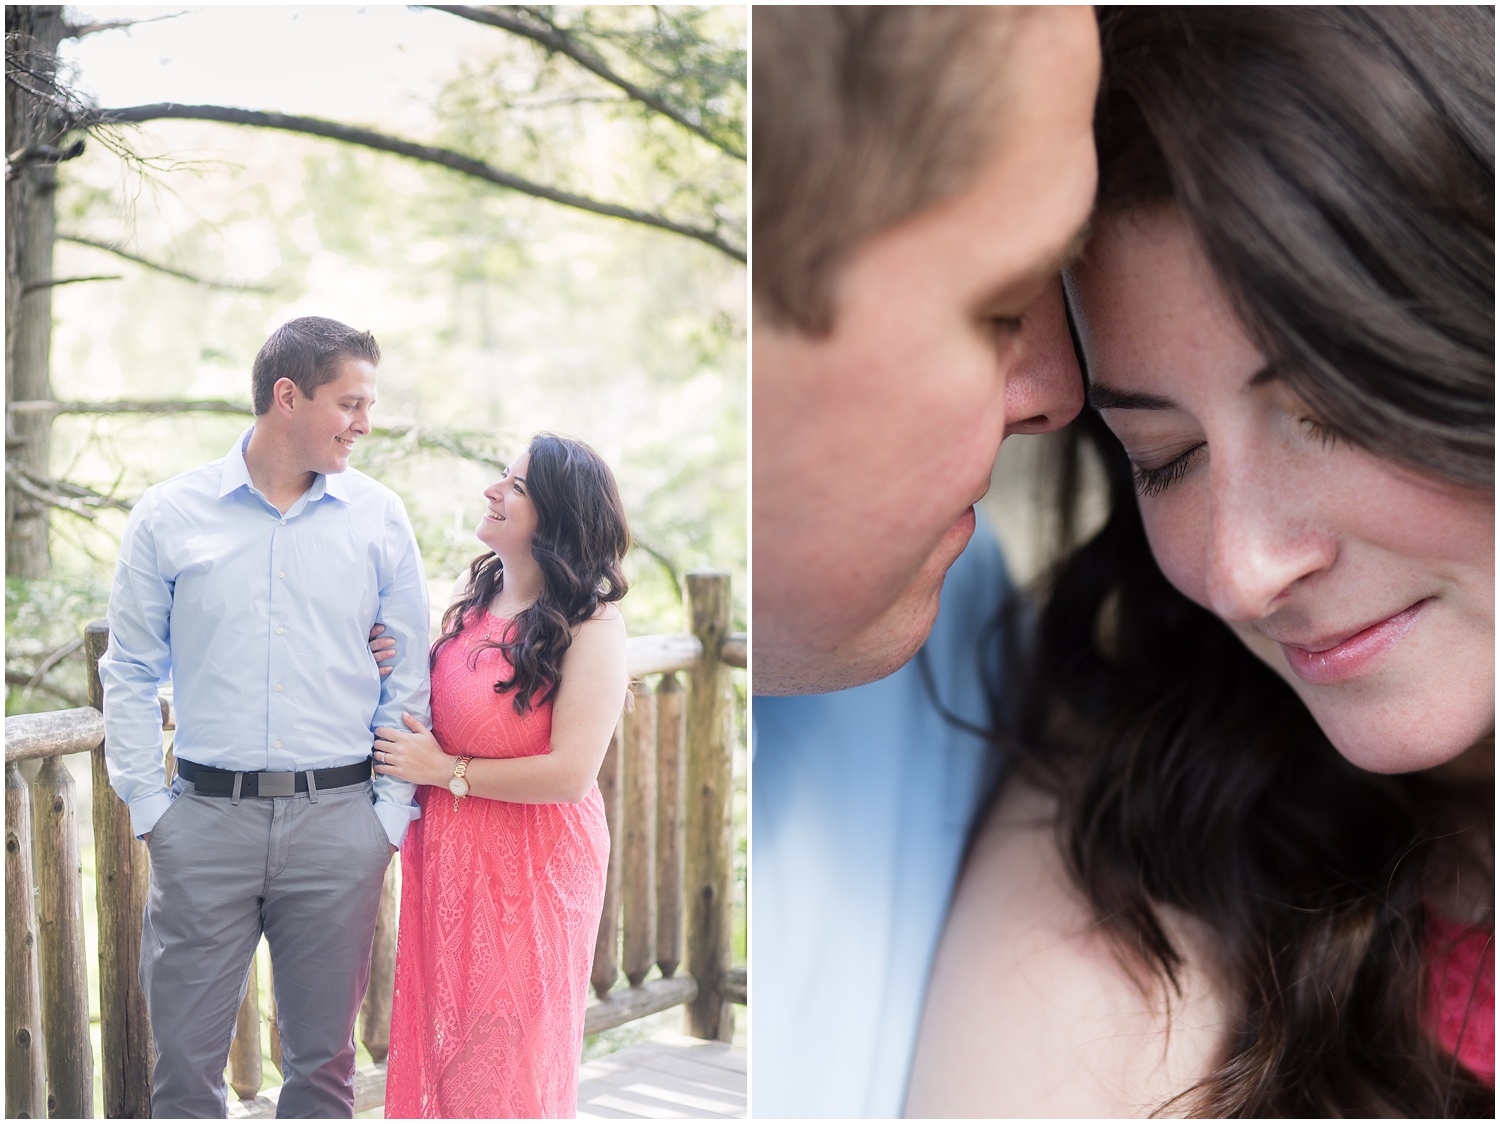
point(285, 396)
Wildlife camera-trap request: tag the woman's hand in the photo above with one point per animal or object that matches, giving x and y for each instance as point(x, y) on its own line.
point(415, 757)
point(383, 649)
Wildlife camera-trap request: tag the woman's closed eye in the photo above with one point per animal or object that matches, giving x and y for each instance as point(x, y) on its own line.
point(1155, 479)
point(1327, 434)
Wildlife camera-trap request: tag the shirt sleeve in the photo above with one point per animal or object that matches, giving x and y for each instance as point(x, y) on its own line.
point(403, 611)
point(137, 660)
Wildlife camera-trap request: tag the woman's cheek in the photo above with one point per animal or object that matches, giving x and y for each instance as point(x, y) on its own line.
point(1179, 542)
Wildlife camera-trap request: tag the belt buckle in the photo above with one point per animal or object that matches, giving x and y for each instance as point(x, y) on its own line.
point(276, 784)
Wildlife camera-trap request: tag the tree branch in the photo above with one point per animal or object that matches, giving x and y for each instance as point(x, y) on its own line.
point(73, 498)
point(62, 653)
point(22, 680)
point(557, 39)
point(78, 31)
point(37, 286)
point(39, 154)
point(201, 406)
point(168, 270)
point(419, 436)
point(443, 157)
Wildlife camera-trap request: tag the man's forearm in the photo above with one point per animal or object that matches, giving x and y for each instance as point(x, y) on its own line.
point(133, 751)
point(403, 612)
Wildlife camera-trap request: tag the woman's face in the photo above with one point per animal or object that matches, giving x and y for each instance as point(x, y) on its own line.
point(509, 520)
point(1367, 588)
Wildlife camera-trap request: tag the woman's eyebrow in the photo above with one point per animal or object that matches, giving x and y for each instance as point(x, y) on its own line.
point(1103, 397)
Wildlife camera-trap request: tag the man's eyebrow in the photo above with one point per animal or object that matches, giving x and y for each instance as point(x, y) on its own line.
point(1073, 250)
point(1103, 397)
point(1051, 267)
point(1272, 371)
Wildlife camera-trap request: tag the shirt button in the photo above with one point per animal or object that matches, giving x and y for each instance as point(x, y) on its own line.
point(283, 522)
point(277, 743)
point(278, 686)
point(279, 630)
point(281, 573)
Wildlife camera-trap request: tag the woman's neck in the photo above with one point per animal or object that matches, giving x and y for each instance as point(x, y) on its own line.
point(520, 586)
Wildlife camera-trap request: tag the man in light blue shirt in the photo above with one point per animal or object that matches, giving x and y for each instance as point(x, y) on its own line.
point(252, 583)
point(863, 801)
point(921, 175)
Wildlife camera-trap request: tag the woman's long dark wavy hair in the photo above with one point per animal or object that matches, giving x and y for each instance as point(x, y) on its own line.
point(1337, 166)
point(581, 538)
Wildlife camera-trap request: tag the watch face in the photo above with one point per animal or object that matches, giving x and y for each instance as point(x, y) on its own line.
point(458, 786)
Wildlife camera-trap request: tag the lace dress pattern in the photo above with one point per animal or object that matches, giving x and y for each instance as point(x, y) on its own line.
point(500, 905)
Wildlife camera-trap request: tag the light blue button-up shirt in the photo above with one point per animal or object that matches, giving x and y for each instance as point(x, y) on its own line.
point(862, 805)
point(261, 621)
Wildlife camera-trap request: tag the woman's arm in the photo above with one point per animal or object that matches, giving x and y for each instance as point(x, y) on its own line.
point(590, 696)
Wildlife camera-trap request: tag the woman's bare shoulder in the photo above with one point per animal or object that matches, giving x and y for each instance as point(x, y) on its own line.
point(604, 630)
point(607, 611)
point(460, 587)
point(1032, 1011)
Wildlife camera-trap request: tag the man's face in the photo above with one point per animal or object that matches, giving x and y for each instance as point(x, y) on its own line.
point(323, 428)
point(873, 443)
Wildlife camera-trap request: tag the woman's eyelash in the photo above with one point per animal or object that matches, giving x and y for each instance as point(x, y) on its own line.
point(1154, 481)
point(1327, 434)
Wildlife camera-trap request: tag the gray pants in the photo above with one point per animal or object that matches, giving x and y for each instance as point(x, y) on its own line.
point(307, 872)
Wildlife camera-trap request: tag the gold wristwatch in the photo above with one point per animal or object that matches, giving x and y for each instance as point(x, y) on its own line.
point(458, 786)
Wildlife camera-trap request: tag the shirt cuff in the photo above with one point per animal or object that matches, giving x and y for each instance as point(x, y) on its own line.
point(396, 818)
point(145, 811)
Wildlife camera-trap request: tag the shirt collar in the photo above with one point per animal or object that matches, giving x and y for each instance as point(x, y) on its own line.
point(236, 474)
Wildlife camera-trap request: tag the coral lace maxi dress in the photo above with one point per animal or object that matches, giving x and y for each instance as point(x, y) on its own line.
point(500, 905)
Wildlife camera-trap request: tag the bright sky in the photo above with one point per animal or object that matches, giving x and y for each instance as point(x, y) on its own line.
point(374, 64)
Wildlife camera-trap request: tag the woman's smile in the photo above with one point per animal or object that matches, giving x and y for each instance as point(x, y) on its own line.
point(1341, 656)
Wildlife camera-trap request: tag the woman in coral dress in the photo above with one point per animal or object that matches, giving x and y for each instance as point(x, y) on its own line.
point(503, 874)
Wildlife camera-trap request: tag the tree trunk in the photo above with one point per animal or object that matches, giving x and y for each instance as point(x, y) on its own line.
point(32, 35)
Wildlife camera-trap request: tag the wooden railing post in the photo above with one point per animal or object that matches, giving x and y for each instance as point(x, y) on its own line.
point(638, 881)
point(25, 1081)
point(709, 780)
point(274, 1020)
point(606, 944)
point(122, 869)
point(64, 971)
point(375, 1011)
point(671, 734)
point(246, 1073)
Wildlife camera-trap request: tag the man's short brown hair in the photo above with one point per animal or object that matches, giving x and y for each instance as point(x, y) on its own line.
point(863, 117)
point(309, 351)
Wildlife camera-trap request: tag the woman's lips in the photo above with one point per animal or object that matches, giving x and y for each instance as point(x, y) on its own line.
point(1351, 656)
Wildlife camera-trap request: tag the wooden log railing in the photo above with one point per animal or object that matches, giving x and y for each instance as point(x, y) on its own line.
point(666, 781)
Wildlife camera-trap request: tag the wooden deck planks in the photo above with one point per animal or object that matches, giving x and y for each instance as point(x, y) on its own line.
point(670, 1077)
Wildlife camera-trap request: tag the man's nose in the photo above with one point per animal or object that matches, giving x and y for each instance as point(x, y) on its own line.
point(361, 423)
point(1044, 389)
point(1260, 544)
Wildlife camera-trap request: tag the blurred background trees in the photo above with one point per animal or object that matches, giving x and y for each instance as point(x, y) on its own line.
point(538, 211)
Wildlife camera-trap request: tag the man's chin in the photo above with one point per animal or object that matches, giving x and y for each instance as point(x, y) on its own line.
point(881, 649)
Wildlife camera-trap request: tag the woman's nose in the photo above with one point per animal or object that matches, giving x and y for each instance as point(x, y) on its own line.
point(1261, 543)
point(1044, 388)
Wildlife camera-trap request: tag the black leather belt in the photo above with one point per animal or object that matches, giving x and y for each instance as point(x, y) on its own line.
point(209, 781)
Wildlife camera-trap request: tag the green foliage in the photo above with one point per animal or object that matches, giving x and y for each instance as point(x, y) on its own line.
point(42, 617)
